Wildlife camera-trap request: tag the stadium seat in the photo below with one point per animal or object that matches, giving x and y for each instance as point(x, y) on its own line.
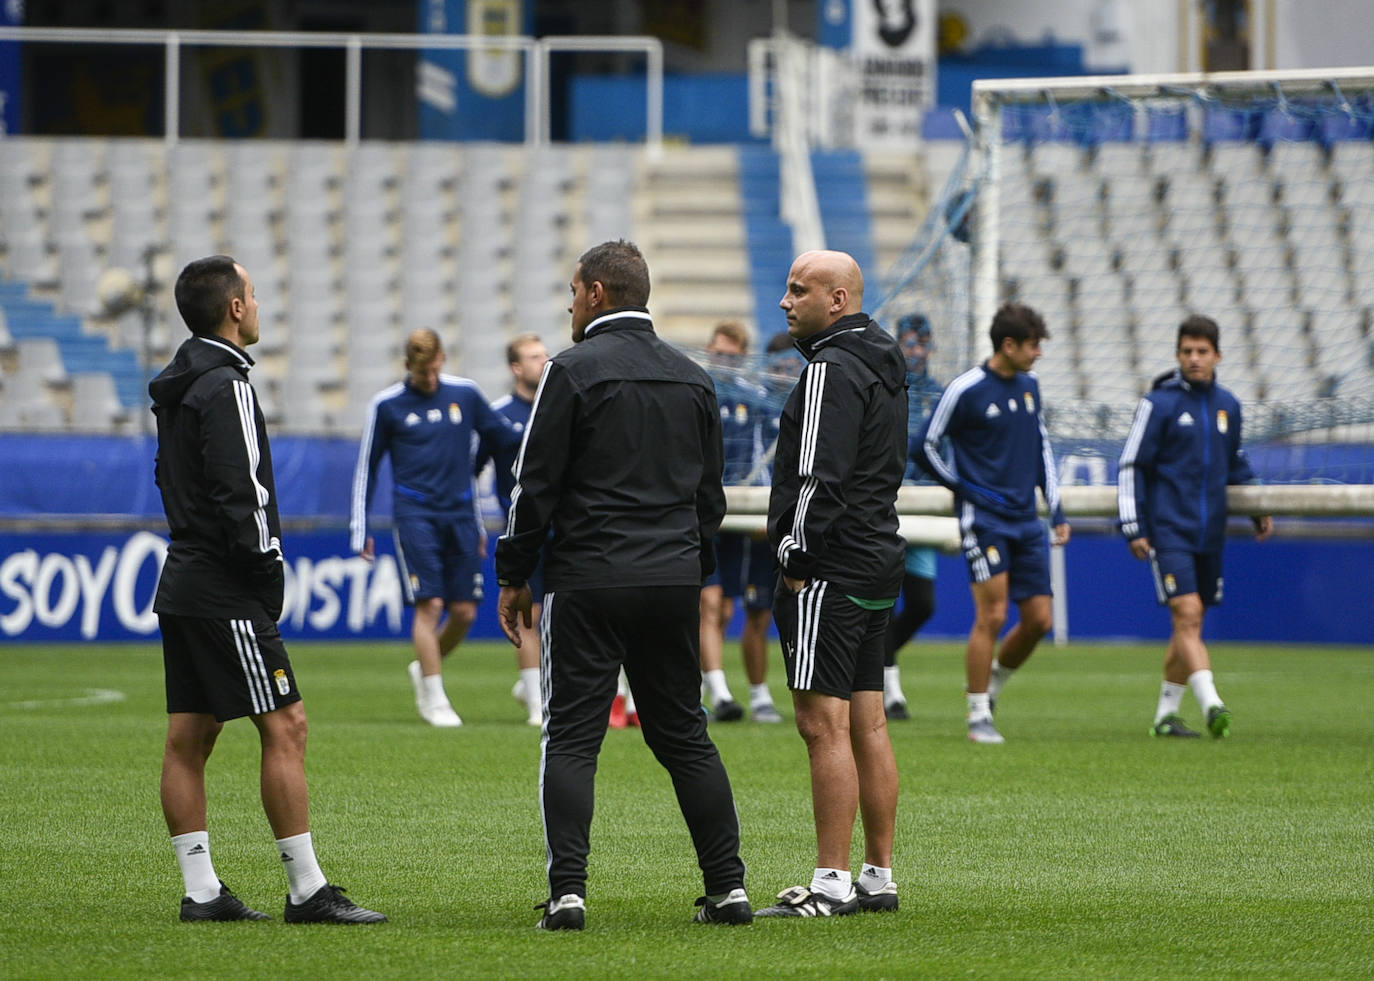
point(95, 403)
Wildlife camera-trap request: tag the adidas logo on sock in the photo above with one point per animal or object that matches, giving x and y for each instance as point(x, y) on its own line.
point(832, 874)
point(871, 873)
point(196, 849)
point(286, 858)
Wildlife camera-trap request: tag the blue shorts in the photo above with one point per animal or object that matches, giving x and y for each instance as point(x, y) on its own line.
point(1178, 573)
point(439, 556)
point(744, 567)
point(993, 545)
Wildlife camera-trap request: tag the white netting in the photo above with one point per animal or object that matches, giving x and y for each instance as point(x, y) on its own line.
point(1118, 211)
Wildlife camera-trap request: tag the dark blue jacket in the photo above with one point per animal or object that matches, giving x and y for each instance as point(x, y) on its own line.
point(997, 438)
point(430, 440)
point(1182, 452)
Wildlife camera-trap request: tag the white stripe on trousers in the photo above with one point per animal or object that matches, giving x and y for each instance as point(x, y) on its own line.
point(254, 670)
point(545, 693)
point(808, 628)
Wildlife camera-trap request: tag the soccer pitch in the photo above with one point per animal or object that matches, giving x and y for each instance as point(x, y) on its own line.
point(1081, 848)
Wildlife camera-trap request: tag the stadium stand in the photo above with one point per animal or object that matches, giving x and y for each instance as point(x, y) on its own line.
point(351, 249)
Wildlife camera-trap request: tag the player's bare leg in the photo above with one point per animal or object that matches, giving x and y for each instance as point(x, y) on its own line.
point(1037, 619)
point(424, 632)
point(285, 796)
point(190, 741)
point(990, 615)
point(823, 721)
point(877, 769)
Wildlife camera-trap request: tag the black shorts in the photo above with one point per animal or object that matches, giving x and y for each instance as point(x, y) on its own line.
point(225, 668)
point(830, 644)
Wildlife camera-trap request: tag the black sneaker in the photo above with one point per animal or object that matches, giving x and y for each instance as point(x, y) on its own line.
point(224, 907)
point(801, 901)
point(733, 909)
point(896, 710)
point(1172, 725)
point(882, 900)
point(328, 905)
point(728, 710)
point(566, 913)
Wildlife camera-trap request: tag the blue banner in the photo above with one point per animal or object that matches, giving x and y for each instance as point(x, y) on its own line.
point(478, 94)
point(85, 586)
point(11, 71)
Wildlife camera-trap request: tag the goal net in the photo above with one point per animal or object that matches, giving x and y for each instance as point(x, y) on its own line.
point(1116, 206)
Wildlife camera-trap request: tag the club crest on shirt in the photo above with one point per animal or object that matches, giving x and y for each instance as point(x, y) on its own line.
point(455, 414)
point(1223, 422)
point(741, 413)
point(283, 682)
point(1030, 402)
point(1170, 583)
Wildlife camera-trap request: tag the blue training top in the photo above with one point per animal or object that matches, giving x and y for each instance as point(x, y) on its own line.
point(998, 443)
point(430, 439)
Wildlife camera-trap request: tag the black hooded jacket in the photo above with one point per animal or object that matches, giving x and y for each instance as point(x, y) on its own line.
point(841, 451)
point(622, 456)
point(214, 468)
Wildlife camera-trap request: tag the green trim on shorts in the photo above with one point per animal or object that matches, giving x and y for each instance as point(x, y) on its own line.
point(872, 604)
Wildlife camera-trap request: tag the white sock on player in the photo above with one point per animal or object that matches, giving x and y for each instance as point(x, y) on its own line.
point(303, 873)
point(1170, 699)
point(197, 871)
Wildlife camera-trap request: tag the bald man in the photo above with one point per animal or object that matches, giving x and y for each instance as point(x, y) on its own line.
point(832, 522)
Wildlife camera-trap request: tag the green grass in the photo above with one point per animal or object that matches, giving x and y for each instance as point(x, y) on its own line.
point(1081, 848)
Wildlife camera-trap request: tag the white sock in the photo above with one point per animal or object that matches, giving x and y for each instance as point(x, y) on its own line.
point(759, 695)
point(630, 702)
point(978, 706)
point(197, 871)
point(999, 678)
point(303, 873)
point(529, 677)
point(874, 878)
point(434, 689)
point(622, 687)
point(1170, 699)
point(1204, 689)
point(832, 883)
point(715, 684)
point(892, 685)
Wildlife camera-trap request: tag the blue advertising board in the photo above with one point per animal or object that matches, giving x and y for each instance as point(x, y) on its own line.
point(75, 586)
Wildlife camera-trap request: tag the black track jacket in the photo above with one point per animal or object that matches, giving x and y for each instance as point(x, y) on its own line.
point(842, 446)
point(622, 456)
point(214, 468)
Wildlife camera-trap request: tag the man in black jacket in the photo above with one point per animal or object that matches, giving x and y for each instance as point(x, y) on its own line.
point(832, 519)
point(219, 598)
point(622, 457)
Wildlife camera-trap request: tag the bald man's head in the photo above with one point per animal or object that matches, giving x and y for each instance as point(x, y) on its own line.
point(822, 287)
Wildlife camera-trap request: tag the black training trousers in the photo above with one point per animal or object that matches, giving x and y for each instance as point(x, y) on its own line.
point(654, 631)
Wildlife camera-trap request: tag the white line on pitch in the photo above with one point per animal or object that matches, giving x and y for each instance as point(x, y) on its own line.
point(93, 696)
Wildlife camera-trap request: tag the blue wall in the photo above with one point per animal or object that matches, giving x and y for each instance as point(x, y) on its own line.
point(66, 585)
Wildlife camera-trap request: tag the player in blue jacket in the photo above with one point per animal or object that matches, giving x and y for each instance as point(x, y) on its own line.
point(1000, 453)
point(427, 424)
point(918, 579)
point(526, 356)
point(1182, 453)
point(744, 563)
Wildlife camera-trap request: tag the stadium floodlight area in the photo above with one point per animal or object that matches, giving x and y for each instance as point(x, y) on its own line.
point(1118, 205)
